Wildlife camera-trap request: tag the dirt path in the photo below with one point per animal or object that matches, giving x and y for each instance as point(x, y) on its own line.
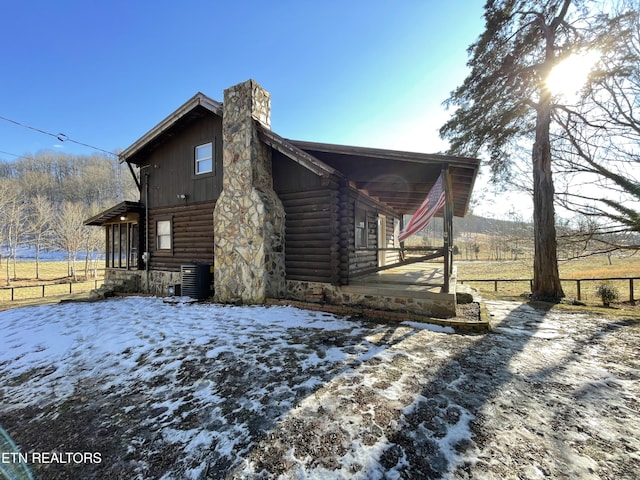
point(547, 394)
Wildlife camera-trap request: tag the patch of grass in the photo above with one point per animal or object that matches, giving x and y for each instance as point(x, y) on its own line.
point(33, 294)
point(589, 267)
point(48, 271)
point(27, 290)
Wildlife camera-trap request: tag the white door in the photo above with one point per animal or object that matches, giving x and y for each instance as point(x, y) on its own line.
point(382, 240)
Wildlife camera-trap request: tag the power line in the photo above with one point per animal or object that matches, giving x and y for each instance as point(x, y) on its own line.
point(61, 137)
point(12, 154)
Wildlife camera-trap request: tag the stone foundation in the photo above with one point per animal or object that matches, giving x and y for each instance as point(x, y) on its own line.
point(440, 305)
point(117, 281)
point(129, 279)
point(159, 281)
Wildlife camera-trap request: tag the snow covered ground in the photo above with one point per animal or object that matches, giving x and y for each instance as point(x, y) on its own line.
point(156, 390)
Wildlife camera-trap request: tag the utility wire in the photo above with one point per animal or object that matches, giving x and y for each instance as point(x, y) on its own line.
point(13, 154)
point(60, 136)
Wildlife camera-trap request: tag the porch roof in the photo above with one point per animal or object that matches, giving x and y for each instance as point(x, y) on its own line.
point(397, 178)
point(115, 212)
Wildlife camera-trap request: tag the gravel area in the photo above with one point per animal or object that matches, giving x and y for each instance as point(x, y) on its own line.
point(153, 390)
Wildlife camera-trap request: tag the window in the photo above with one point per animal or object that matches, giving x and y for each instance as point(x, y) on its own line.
point(133, 244)
point(204, 158)
point(163, 235)
point(122, 245)
point(361, 228)
point(122, 260)
point(114, 237)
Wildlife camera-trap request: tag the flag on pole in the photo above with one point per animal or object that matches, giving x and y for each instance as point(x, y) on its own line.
point(431, 205)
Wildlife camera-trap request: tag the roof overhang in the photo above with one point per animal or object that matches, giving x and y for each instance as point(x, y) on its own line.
point(114, 213)
point(398, 179)
point(275, 141)
point(196, 107)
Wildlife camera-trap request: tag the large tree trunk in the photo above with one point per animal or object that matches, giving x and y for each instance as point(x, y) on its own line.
point(546, 278)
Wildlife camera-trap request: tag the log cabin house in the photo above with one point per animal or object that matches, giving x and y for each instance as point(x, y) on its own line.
point(270, 218)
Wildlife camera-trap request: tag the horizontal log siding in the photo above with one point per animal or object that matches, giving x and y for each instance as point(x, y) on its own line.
point(391, 256)
point(311, 238)
point(352, 260)
point(192, 236)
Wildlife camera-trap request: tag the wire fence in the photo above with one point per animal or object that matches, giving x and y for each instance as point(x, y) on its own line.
point(26, 292)
point(583, 289)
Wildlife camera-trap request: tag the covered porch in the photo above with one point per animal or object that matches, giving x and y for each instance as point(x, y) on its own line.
point(411, 292)
point(400, 182)
point(419, 277)
point(417, 285)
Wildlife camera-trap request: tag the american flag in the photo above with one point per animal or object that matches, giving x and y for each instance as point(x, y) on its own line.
point(430, 206)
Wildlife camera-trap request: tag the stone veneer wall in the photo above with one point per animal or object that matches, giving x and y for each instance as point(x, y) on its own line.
point(159, 281)
point(131, 279)
point(135, 281)
point(249, 217)
point(437, 305)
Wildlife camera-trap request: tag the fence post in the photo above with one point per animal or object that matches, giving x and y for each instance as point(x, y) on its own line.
point(578, 289)
point(631, 299)
point(12, 293)
point(495, 285)
point(42, 291)
point(70, 287)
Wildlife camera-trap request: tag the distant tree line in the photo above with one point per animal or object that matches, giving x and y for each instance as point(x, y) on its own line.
point(45, 198)
point(511, 238)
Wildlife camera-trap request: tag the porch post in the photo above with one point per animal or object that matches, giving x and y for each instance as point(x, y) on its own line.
point(447, 225)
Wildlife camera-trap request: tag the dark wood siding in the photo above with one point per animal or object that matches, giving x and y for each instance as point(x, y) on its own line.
point(171, 166)
point(311, 213)
point(352, 259)
point(311, 250)
point(289, 176)
point(192, 236)
point(392, 256)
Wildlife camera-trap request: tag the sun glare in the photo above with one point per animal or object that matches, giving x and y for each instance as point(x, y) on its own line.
point(570, 75)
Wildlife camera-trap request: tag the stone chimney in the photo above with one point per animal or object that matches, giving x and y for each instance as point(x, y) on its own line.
point(248, 219)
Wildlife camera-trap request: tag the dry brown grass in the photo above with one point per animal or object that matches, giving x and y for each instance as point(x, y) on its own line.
point(48, 271)
point(54, 277)
point(590, 267)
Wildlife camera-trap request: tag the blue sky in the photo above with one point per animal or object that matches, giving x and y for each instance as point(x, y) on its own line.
point(363, 72)
point(357, 72)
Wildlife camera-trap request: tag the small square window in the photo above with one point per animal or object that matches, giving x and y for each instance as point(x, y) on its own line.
point(204, 158)
point(163, 234)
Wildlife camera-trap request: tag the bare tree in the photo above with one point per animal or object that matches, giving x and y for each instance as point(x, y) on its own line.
point(39, 226)
point(6, 195)
point(505, 102)
point(69, 231)
point(598, 141)
point(93, 242)
point(15, 214)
